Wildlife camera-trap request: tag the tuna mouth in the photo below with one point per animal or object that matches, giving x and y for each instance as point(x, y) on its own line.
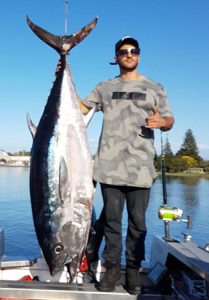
point(67, 260)
point(56, 268)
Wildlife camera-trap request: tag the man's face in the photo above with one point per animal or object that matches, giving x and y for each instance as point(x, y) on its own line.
point(128, 57)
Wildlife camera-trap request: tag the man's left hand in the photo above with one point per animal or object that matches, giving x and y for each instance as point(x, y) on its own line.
point(155, 120)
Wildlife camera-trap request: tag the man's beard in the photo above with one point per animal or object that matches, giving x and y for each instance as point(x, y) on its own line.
point(125, 67)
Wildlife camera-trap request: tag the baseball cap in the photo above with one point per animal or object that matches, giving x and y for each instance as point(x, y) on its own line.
point(126, 40)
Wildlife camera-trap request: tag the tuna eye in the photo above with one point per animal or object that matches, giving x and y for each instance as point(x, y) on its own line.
point(58, 249)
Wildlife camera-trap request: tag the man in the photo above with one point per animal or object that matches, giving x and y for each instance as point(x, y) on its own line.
point(133, 105)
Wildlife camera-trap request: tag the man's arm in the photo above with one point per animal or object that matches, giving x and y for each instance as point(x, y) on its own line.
point(84, 109)
point(167, 123)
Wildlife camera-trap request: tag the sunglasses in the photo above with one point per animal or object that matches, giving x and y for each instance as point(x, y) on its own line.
point(125, 52)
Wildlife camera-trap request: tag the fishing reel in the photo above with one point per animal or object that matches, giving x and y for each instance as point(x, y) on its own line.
point(168, 214)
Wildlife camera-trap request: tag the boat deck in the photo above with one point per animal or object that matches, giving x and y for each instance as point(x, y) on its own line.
point(178, 270)
point(86, 291)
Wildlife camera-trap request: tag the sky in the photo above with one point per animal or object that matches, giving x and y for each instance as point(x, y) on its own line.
point(174, 41)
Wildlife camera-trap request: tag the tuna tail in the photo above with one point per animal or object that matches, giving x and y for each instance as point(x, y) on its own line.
point(61, 43)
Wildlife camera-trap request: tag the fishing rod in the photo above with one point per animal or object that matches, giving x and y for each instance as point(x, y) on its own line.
point(166, 213)
point(164, 187)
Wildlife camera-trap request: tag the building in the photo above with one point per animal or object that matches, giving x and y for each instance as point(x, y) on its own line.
point(195, 171)
point(13, 160)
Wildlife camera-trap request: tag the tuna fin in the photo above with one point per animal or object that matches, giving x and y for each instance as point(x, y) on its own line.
point(87, 118)
point(31, 126)
point(61, 43)
point(63, 180)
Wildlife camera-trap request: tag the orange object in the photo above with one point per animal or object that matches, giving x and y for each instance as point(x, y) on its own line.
point(84, 264)
point(26, 278)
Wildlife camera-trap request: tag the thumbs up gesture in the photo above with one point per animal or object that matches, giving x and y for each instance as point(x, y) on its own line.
point(155, 120)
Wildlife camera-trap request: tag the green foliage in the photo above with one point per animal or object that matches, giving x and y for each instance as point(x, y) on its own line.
point(178, 164)
point(187, 157)
point(205, 165)
point(190, 161)
point(157, 162)
point(189, 146)
point(167, 148)
point(21, 153)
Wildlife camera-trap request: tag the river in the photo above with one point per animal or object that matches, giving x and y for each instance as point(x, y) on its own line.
point(188, 193)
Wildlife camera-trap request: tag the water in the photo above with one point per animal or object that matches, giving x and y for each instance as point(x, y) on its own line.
point(188, 193)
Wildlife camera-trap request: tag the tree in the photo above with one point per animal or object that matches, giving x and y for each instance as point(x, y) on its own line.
point(167, 148)
point(178, 164)
point(191, 161)
point(157, 162)
point(205, 165)
point(189, 147)
point(168, 155)
point(21, 153)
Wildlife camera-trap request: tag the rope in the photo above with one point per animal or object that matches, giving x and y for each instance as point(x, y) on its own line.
point(66, 15)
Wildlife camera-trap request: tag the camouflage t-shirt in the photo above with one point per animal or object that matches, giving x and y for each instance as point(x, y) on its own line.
point(126, 147)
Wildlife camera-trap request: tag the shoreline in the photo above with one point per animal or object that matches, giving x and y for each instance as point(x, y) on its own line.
point(206, 175)
point(180, 174)
point(16, 166)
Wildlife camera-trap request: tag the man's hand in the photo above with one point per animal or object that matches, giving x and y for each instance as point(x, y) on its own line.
point(84, 109)
point(156, 121)
point(58, 67)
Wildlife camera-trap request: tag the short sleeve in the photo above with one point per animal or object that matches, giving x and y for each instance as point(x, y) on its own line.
point(95, 98)
point(163, 103)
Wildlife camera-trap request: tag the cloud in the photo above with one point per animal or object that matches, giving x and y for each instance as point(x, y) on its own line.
point(203, 146)
point(204, 150)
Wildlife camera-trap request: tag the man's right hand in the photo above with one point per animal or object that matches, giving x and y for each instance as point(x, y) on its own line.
point(58, 67)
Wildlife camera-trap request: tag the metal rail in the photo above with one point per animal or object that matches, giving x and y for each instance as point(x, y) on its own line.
point(61, 291)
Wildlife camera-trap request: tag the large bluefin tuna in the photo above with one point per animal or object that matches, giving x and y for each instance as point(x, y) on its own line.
point(61, 186)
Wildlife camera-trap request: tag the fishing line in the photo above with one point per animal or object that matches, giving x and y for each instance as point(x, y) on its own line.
point(66, 16)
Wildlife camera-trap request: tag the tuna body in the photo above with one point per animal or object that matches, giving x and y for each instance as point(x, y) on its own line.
point(61, 184)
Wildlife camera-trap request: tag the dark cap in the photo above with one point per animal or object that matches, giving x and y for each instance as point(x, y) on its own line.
point(126, 40)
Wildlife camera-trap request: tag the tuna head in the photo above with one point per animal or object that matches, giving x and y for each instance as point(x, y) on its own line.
point(63, 248)
point(63, 233)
